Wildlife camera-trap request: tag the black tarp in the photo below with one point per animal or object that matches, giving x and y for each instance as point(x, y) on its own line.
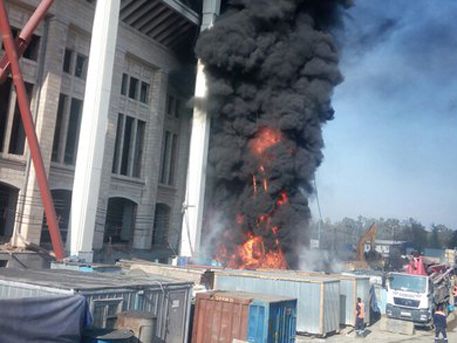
point(50, 319)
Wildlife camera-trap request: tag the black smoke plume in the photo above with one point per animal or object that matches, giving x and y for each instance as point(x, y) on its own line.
point(270, 64)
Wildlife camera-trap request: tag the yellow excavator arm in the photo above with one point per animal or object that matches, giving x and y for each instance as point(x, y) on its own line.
point(369, 235)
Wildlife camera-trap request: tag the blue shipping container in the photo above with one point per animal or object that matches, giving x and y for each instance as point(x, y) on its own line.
point(272, 320)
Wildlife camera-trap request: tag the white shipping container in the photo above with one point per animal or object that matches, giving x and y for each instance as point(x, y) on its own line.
point(318, 306)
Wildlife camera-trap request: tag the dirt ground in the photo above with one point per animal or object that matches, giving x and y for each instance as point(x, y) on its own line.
point(376, 335)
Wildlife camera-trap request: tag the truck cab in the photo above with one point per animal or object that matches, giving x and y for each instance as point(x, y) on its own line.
point(410, 297)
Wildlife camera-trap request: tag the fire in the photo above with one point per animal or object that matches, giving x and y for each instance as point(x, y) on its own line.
point(252, 254)
point(282, 200)
point(266, 137)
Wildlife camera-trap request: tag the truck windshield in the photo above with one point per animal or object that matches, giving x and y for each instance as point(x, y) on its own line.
point(408, 283)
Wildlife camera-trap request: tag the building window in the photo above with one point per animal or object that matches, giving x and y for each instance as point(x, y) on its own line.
point(58, 128)
point(161, 225)
point(5, 98)
point(128, 147)
point(81, 66)
point(8, 204)
point(124, 85)
point(144, 94)
point(117, 144)
point(62, 203)
point(67, 61)
point(74, 124)
point(17, 138)
point(133, 88)
point(66, 134)
point(138, 154)
point(169, 153)
point(12, 133)
point(172, 106)
point(33, 48)
point(120, 221)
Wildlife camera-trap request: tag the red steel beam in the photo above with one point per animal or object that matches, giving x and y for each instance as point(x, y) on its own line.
point(23, 40)
point(29, 128)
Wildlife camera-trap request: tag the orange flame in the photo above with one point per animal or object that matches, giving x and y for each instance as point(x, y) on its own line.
point(283, 199)
point(253, 255)
point(266, 137)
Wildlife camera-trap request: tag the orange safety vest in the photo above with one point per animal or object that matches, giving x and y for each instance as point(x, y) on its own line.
point(361, 311)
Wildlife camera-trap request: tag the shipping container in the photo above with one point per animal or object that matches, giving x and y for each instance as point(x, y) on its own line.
point(318, 306)
point(199, 275)
point(221, 317)
point(109, 294)
point(351, 287)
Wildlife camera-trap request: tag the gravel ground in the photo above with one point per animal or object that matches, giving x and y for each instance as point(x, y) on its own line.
point(376, 335)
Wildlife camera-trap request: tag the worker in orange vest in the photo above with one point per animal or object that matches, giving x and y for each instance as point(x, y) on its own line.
point(359, 317)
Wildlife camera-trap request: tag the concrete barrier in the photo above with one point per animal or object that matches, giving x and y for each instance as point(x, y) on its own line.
point(397, 326)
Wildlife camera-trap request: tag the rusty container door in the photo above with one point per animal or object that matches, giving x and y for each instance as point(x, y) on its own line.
point(220, 317)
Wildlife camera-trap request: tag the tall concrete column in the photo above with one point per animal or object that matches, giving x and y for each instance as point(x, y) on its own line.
point(94, 122)
point(198, 155)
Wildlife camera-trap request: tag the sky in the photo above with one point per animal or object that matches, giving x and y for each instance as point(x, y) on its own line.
point(391, 150)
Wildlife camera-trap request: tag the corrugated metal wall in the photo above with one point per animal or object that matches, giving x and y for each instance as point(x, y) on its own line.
point(331, 309)
point(169, 302)
point(316, 306)
point(11, 290)
point(219, 318)
point(350, 289)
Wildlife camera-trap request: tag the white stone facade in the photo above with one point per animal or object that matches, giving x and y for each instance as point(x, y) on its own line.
point(137, 173)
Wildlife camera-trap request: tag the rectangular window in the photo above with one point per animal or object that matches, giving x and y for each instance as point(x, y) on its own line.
point(14, 32)
point(33, 48)
point(17, 139)
point(165, 158)
point(133, 88)
point(5, 96)
point(81, 66)
point(67, 59)
point(139, 142)
point(168, 158)
point(144, 94)
point(74, 123)
point(117, 144)
point(173, 153)
point(127, 143)
point(128, 149)
point(125, 81)
point(169, 105)
point(58, 130)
